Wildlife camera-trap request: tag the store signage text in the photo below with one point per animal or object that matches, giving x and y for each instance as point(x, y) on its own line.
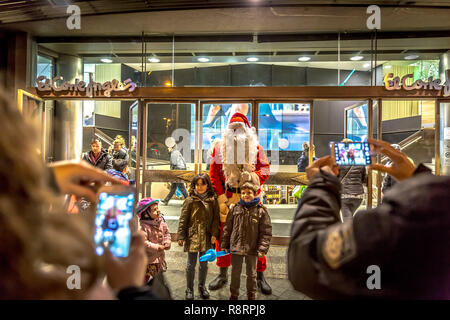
point(91, 89)
point(398, 84)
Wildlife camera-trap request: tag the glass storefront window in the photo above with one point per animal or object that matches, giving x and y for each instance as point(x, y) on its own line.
point(44, 67)
point(215, 119)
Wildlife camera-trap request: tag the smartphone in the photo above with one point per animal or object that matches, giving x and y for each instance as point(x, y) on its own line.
point(352, 153)
point(112, 220)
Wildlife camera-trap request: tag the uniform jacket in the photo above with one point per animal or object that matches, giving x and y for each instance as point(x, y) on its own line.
point(352, 178)
point(303, 162)
point(199, 220)
point(104, 161)
point(157, 233)
point(247, 231)
point(406, 237)
point(177, 161)
point(262, 169)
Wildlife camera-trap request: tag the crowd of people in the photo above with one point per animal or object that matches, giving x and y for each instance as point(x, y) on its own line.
point(406, 236)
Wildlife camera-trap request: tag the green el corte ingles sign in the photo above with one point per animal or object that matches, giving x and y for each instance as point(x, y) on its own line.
point(396, 83)
point(92, 88)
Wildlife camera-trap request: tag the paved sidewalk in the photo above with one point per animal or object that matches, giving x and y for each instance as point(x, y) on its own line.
point(276, 276)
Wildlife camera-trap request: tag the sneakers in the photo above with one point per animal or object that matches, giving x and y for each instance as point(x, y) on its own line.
point(203, 292)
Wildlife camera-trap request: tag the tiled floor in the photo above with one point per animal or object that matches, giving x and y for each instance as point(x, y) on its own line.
point(276, 276)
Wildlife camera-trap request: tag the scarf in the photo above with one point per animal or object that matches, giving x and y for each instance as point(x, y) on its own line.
point(252, 203)
point(202, 196)
point(94, 158)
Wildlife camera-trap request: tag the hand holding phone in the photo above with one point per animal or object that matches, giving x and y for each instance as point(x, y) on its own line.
point(351, 153)
point(112, 221)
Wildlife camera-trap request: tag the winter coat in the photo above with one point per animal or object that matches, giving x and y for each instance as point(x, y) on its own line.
point(177, 161)
point(199, 221)
point(157, 233)
point(104, 161)
point(247, 231)
point(406, 238)
point(118, 175)
point(352, 179)
point(121, 154)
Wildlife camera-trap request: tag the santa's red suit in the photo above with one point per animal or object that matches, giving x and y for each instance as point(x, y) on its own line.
point(227, 194)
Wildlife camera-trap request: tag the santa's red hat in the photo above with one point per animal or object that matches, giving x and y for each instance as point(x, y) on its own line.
point(239, 117)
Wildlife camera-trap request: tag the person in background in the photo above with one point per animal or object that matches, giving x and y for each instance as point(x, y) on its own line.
point(176, 163)
point(198, 230)
point(352, 180)
point(157, 236)
point(247, 233)
point(303, 161)
point(120, 170)
point(118, 152)
point(398, 250)
point(98, 157)
point(210, 151)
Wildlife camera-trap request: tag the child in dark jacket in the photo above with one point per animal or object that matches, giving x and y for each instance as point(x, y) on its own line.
point(247, 233)
point(198, 229)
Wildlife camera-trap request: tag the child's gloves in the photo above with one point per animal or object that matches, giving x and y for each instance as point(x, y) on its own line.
point(261, 254)
point(180, 242)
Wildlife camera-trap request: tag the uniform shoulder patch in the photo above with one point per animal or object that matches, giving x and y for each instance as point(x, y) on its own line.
point(339, 245)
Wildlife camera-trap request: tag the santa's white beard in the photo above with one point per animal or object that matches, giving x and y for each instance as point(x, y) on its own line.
point(239, 150)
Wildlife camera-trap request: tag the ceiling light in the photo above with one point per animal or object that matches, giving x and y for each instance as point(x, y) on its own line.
point(106, 60)
point(411, 57)
point(203, 59)
point(366, 65)
point(356, 58)
point(304, 59)
point(252, 59)
point(388, 66)
point(154, 60)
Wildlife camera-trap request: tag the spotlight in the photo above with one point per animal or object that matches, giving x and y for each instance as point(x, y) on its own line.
point(154, 60)
point(252, 59)
point(106, 60)
point(411, 57)
point(203, 59)
point(356, 58)
point(304, 59)
point(366, 65)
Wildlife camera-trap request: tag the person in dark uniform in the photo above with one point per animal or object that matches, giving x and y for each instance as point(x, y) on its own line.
point(398, 250)
point(177, 162)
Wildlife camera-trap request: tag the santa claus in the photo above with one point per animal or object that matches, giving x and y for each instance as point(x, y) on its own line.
point(237, 159)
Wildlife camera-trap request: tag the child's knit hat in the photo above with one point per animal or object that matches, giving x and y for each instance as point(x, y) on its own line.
point(144, 204)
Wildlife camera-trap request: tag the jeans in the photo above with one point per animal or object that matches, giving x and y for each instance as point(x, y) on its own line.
point(190, 270)
point(173, 188)
point(236, 268)
point(349, 206)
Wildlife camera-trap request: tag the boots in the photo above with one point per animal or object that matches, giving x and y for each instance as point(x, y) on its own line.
point(262, 284)
point(189, 294)
point(203, 292)
point(251, 296)
point(220, 281)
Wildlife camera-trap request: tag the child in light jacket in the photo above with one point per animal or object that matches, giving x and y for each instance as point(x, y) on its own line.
point(157, 236)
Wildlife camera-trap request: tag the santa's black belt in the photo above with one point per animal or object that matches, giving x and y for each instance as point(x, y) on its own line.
point(233, 190)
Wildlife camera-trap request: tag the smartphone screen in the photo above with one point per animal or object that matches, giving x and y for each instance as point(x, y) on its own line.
point(352, 153)
point(112, 230)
